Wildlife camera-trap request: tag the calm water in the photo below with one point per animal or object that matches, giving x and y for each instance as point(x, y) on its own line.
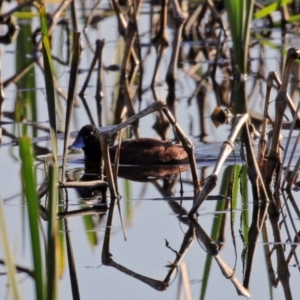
point(149, 220)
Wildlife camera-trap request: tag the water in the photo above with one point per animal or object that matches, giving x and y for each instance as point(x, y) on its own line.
point(148, 219)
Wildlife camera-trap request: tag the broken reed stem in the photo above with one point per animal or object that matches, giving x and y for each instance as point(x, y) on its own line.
point(280, 105)
point(226, 149)
point(160, 51)
point(140, 66)
point(253, 170)
point(129, 68)
point(117, 158)
point(160, 40)
point(291, 155)
point(59, 90)
point(99, 92)
point(282, 267)
point(88, 23)
point(122, 23)
point(79, 184)
point(290, 101)
point(171, 76)
point(71, 98)
point(155, 106)
point(189, 148)
point(292, 177)
point(259, 211)
point(104, 138)
point(93, 64)
point(263, 137)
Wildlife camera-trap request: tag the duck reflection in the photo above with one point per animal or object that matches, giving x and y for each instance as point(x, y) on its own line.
point(92, 172)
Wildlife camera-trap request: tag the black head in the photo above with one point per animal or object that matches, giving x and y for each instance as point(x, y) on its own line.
point(88, 139)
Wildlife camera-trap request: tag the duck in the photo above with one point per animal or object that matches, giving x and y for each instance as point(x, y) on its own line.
point(142, 151)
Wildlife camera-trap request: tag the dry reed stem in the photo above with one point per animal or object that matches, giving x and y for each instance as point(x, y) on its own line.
point(280, 105)
point(88, 211)
point(87, 23)
point(267, 252)
point(159, 285)
point(78, 184)
point(216, 15)
point(127, 70)
point(99, 92)
point(15, 78)
point(290, 178)
point(188, 147)
point(107, 259)
point(60, 91)
point(254, 173)
point(91, 69)
point(263, 137)
point(213, 249)
point(191, 21)
point(184, 282)
point(160, 40)
point(171, 76)
point(104, 141)
point(294, 242)
point(71, 98)
point(274, 209)
point(226, 149)
point(210, 245)
point(122, 23)
point(17, 8)
point(160, 52)
point(229, 273)
point(259, 212)
point(292, 254)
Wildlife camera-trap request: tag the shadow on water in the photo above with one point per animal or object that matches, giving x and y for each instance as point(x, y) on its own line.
point(215, 210)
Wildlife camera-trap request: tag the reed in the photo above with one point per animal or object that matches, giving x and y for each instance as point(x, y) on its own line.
point(50, 91)
point(229, 189)
point(53, 240)
point(239, 14)
point(30, 189)
point(50, 255)
point(8, 256)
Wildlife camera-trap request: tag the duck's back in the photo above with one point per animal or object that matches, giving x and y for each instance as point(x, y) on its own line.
point(146, 151)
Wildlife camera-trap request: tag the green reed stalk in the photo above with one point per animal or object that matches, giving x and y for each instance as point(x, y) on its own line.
point(272, 7)
point(48, 69)
point(30, 188)
point(239, 14)
point(89, 226)
point(239, 18)
point(229, 188)
point(69, 112)
point(53, 241)
point(8, 256)
point(71, 96)
point(25, 104)
point(245, 202)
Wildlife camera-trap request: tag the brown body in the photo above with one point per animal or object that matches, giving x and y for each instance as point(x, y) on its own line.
point(143, 151)
point(147, 151)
